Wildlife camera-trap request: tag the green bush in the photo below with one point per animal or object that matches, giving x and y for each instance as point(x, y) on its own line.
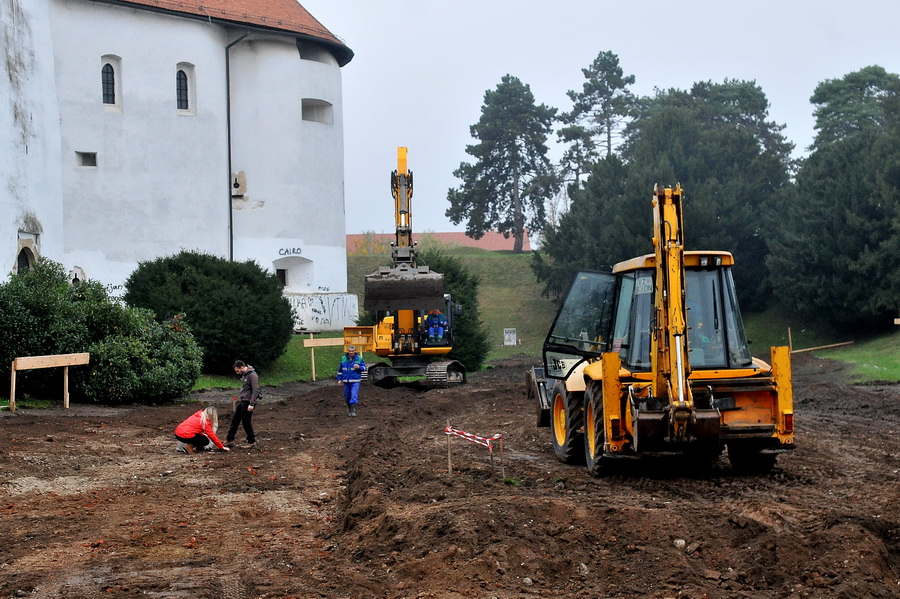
point(148, 360)
point(235, 309)
point(133, 357)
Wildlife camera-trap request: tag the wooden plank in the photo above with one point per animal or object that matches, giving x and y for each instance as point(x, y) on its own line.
point(32, 362)
point(800, 351)
point(323, 342)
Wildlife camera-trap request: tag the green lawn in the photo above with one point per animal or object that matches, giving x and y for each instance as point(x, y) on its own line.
point(294, 365)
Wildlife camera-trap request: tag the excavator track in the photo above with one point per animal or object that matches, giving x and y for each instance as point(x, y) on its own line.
point(445, 373)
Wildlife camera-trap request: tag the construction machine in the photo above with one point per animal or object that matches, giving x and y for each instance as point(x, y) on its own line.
point(652, 358)
point(401, 296)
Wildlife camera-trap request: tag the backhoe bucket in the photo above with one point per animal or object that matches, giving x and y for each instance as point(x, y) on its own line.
point(404, 287)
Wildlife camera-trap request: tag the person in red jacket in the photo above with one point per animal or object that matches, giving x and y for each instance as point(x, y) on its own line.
point(198, 432)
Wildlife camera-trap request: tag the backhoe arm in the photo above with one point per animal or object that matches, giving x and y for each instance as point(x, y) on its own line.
point(669, 360)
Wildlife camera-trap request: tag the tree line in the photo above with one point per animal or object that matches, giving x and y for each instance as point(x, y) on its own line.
point(819, 234)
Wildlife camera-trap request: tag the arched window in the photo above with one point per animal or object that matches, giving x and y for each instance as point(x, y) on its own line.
point(108, 74)
point(24, 260)
point(181, 90)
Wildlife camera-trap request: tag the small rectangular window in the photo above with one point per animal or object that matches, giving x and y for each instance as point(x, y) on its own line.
point(87, 158)
point(281, 275)
point(319, 111)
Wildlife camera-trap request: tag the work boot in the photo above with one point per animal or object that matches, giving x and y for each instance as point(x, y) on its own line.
point(188, 448)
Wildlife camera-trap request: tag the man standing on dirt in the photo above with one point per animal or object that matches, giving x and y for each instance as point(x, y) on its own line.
point(349, 375)
point(243, 408)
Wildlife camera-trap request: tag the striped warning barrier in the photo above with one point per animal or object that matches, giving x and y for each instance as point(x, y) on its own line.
point(484, 441)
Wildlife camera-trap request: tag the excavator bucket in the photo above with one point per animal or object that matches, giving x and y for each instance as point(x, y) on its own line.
point(404, 287)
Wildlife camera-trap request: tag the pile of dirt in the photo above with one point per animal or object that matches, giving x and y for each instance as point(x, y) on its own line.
point(96, 503)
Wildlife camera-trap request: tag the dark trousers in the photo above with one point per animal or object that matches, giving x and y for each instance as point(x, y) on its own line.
point(242, 416)
point(198, 441)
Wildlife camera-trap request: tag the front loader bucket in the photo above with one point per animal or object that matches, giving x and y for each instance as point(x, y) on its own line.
point(404, 287)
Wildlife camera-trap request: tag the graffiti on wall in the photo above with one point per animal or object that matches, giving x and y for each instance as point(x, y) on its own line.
point(324, 311)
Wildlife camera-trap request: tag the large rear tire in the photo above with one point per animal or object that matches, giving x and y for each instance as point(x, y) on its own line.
point(567, 424)
point(594, 429)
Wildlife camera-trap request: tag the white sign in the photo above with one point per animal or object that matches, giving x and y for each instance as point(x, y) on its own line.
point(509, 337)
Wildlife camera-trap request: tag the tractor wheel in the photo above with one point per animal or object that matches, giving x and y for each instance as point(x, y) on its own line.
point(594, 429)
point(567, 424)
point(749, 460)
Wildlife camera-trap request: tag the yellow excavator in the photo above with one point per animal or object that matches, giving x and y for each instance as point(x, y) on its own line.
point(405, 298)
point(652, 359)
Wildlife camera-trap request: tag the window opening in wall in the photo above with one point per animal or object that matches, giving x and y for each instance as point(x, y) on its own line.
point(319, 111)
point(87, 158)
point(281, 275)
point(181, 90)
point(109, 84)
point(24, 260)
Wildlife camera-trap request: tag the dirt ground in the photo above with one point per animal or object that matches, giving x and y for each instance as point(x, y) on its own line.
point(96, 503)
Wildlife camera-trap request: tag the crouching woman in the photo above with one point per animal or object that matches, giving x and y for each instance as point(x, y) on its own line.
point(198, 432)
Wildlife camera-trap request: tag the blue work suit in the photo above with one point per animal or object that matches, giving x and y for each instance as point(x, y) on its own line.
point(351, 376)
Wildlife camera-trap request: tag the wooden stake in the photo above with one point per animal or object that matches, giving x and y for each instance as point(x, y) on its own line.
point(449, 460)
point(12, 388)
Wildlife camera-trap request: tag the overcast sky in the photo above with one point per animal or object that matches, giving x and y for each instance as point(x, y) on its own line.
point(421, 69)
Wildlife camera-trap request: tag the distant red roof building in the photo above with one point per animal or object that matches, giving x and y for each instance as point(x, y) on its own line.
point(278, 15)
point(365, 242)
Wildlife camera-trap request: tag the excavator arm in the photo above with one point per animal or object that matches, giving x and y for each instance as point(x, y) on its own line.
point(405, 285)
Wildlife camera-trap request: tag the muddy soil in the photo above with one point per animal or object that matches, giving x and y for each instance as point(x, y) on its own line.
point(96, 503)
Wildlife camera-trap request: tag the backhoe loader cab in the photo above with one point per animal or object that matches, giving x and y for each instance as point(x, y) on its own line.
point(652, 358)
point(613, 312)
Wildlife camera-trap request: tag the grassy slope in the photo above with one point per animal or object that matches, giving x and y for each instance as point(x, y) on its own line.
point(510, 297)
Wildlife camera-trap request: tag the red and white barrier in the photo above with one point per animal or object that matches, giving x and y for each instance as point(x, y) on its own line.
point(484, 441)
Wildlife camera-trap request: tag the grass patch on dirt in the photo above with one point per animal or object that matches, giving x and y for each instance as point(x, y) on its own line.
point(295, 364)
point(872, 360)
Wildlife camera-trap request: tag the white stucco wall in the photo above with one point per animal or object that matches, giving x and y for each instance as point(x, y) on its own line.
point(162, 181)
point(292, 213)
point(160, 184)
point(30, 184)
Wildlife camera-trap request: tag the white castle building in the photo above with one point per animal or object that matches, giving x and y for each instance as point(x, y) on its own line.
point(135, 129)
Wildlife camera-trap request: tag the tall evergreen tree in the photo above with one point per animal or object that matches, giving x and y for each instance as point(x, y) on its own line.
point(716, 141)
point(506, 188)
point(598, 110)
point(834, 255)
point(851, 104)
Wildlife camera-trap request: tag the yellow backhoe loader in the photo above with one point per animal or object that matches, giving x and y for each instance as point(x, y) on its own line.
point(652, 359)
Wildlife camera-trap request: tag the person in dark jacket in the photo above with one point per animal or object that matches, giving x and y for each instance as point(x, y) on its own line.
point(349, 375)
point(244, 405)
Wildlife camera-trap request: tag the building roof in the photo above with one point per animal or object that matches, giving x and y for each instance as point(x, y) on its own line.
point(490, 241)
point(276, 15)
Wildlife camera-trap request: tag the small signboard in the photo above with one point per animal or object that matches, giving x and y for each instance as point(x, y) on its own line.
point(509, 337)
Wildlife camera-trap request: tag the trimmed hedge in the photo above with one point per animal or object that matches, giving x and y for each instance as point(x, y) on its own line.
point(236, 310)
point(133, 357)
